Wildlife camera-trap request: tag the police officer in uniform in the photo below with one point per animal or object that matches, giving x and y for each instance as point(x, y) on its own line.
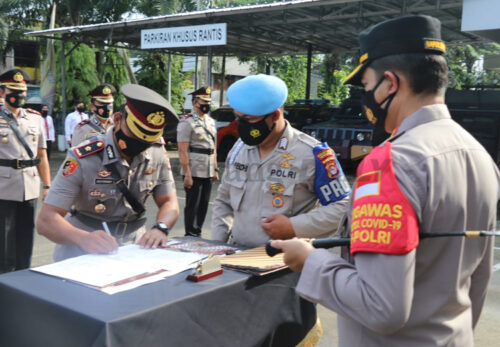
point(23, 160)
point(101, 104)
point(196, 134)
point(108, 178)
point(278, 181)
point(430, 176)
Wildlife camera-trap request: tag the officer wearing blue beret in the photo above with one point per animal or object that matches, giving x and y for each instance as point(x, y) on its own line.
point(278, 182)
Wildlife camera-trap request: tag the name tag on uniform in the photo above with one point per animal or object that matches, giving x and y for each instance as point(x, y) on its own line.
point(104, 181)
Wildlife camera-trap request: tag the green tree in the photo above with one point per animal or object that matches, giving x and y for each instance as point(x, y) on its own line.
point(153, 73)
point(81, 74)
point(115, 73)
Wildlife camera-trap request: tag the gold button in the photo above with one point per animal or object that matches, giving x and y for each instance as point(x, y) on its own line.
point(5, 140)
point(150, 184)
point(34, 138)
point(103, 195)
point(100, 208)
point(130, 172)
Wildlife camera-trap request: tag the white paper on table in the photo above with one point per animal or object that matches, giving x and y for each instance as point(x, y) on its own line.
point(101, 270)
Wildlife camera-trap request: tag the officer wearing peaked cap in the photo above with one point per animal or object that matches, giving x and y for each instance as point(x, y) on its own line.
point(109, 177)
point(23, 160)
point(196, 134)
point(101, 104)
point(395, 289)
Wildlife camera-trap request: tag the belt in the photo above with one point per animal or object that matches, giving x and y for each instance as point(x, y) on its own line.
point(19, 164)
point(207, 151)
point(119, 230)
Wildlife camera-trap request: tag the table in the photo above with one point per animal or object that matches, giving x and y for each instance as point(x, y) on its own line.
point(233, 309)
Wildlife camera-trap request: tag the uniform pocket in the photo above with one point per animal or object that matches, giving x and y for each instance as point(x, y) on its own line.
point(236, 192)
point(145, 189)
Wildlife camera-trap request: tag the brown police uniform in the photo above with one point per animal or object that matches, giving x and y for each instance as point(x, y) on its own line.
point(19, 179)
point(89, 129)
point(85, 183)
point(200, 133)
point(283, 182)
point(431, 176)
point(94, 126)
point(431, 296)
point(86, 180)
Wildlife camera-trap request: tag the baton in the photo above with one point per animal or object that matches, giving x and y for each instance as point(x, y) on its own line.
point(345, 241)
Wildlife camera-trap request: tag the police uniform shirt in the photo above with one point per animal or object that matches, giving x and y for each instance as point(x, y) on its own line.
point(86, 183)
point(432, 295)
point(283, 182)
point(190, 129)
point(20, 184)
point(84, 130)
point(71, 121)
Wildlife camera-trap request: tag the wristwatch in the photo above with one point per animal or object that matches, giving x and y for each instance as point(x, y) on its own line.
point(162, 227)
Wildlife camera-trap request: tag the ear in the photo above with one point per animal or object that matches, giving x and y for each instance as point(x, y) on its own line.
point(117, 117)
point(276, 115)
point(394, 81)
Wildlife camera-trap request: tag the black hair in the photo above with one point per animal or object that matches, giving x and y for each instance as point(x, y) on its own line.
point(427, 73)
point(76, 102)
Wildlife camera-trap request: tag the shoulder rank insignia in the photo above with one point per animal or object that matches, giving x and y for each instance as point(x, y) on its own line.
point(161, 141)
point(30, 110)
point(89, 148)
point(186, 116)
point(86, 121)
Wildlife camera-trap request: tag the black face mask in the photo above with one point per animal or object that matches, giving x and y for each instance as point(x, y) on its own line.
point(45, 113)
point(376, 114)
point(15, 100)
point(80, 109)
point(104, 111)
point(131, 146)
point(205, 108)
point(253, 134)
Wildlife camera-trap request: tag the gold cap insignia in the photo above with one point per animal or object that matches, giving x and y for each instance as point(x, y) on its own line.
point(207, 90)
point(106, 90)
point(255, 133)
point(18, 77)
point(156, 118)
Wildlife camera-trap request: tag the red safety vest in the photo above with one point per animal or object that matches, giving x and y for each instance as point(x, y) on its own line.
point(383, 220)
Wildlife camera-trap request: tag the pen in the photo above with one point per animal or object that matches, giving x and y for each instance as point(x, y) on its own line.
point(106, 229)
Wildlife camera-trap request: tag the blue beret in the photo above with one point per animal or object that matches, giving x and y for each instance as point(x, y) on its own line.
point(257, 95)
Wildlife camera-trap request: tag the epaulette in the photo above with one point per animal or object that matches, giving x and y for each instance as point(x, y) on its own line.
point(309, 140)
point(160, 141)
point(33, 111)
point(83, 122)
point(89, 148)
point(186, 116)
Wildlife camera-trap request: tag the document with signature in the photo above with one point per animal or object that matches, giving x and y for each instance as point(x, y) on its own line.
point(128, 267)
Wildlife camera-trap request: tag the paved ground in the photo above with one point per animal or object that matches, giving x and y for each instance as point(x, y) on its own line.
point(487, 332)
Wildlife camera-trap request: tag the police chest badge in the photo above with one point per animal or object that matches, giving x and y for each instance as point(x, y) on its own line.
point(69, 167)
point(104, 173)
point(278, 202)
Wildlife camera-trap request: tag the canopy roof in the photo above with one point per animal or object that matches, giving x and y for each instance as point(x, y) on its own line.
point(286, 27)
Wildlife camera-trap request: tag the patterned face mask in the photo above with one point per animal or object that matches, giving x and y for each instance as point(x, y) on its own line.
point(253, 134)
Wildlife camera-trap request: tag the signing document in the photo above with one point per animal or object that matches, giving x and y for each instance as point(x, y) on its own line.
point(127, 268)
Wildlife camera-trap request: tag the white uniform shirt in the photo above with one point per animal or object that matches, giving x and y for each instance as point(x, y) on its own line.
point(71, 121)
point(48, 125)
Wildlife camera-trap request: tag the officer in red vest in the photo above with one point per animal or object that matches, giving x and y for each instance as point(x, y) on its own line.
point(429, 176)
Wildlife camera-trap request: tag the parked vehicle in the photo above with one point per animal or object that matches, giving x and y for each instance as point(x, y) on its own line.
point(306, 112)
point(348, 131)
point(227, 130)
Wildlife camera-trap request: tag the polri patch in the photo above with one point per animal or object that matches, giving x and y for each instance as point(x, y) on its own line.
point(69, 167)
point(278, 202)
